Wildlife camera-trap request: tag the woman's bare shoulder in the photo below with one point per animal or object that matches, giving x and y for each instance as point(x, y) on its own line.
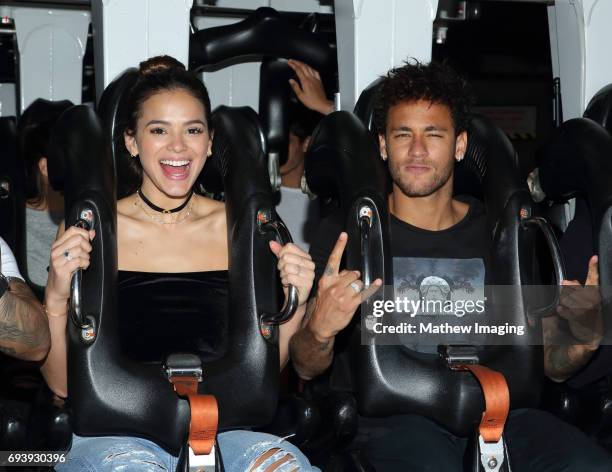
point(127, 207)
point(208, 211)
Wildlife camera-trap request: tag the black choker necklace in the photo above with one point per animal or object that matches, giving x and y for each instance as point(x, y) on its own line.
point(153, 206)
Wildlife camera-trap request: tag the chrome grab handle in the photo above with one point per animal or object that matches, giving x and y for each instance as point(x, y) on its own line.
point(76, 314)
point(268, 224)
point(557, 260)
point(365, 223)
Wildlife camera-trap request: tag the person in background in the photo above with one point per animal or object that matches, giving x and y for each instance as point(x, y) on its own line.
point(44, 205)
point(300, 212)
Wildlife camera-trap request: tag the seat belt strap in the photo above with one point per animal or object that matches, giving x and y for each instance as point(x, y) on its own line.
point(184, 372)
point(497, 400)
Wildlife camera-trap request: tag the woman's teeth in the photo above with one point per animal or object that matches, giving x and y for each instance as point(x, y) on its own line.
point(174, 163)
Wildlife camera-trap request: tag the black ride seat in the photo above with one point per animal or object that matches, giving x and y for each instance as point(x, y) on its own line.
point(576, 164)
point(111, 395)
point(343, 161)
point(343, 142)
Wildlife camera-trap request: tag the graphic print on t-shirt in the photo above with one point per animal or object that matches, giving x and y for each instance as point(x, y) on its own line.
point(439, 283)
point(431, 288)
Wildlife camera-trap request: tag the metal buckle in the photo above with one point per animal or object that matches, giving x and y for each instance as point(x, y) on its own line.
point(456, 355)
point(183, 372)
point(491, 454)
point(183, 365)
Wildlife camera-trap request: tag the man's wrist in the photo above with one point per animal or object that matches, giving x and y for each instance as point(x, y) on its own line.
point(586, 334)
point(321, 338)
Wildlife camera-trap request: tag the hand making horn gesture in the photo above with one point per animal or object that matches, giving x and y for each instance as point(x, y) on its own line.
point(339, 295)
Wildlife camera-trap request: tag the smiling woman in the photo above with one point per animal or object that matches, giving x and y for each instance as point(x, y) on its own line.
point(173, 261)
point(171, 152)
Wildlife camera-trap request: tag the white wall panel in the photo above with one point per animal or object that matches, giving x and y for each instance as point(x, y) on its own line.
point(598, 14)
point(375, 35)
point(51, 48)
point(580, 37)
point(130, 31)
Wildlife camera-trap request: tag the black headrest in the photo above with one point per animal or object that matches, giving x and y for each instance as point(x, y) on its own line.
point(364, 108)
point(237, 131)
point(599, 108)
point(111, 110)
point(265, 33)
point(340, 140)
point(491, 161)
point(274, 95)
point(578, 161)
point(75, 134)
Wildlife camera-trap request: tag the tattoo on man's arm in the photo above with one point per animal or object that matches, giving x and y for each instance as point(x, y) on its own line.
point(9, 332)
point(8, 350)
point(22, 321)
point(563, 357)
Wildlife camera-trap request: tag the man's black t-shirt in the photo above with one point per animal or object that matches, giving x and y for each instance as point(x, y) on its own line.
point(430, 264)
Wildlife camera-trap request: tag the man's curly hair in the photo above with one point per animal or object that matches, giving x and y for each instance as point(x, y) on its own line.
point(434, 82)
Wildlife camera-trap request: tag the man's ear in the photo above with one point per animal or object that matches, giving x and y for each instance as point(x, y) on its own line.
point(382, 146)
point(130, 144)
point(42, 167)
point(305, 144)
point(461, 145)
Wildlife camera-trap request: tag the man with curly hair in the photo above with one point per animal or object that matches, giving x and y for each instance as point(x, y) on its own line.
point(421, 118)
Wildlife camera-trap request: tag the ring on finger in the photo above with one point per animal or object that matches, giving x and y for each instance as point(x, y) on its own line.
point(67, 255)
point(356, 286)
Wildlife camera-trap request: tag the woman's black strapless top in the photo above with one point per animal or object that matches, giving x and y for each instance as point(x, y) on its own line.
point(164, 313)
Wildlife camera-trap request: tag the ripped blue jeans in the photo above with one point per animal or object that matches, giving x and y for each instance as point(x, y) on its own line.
point(239, 451)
